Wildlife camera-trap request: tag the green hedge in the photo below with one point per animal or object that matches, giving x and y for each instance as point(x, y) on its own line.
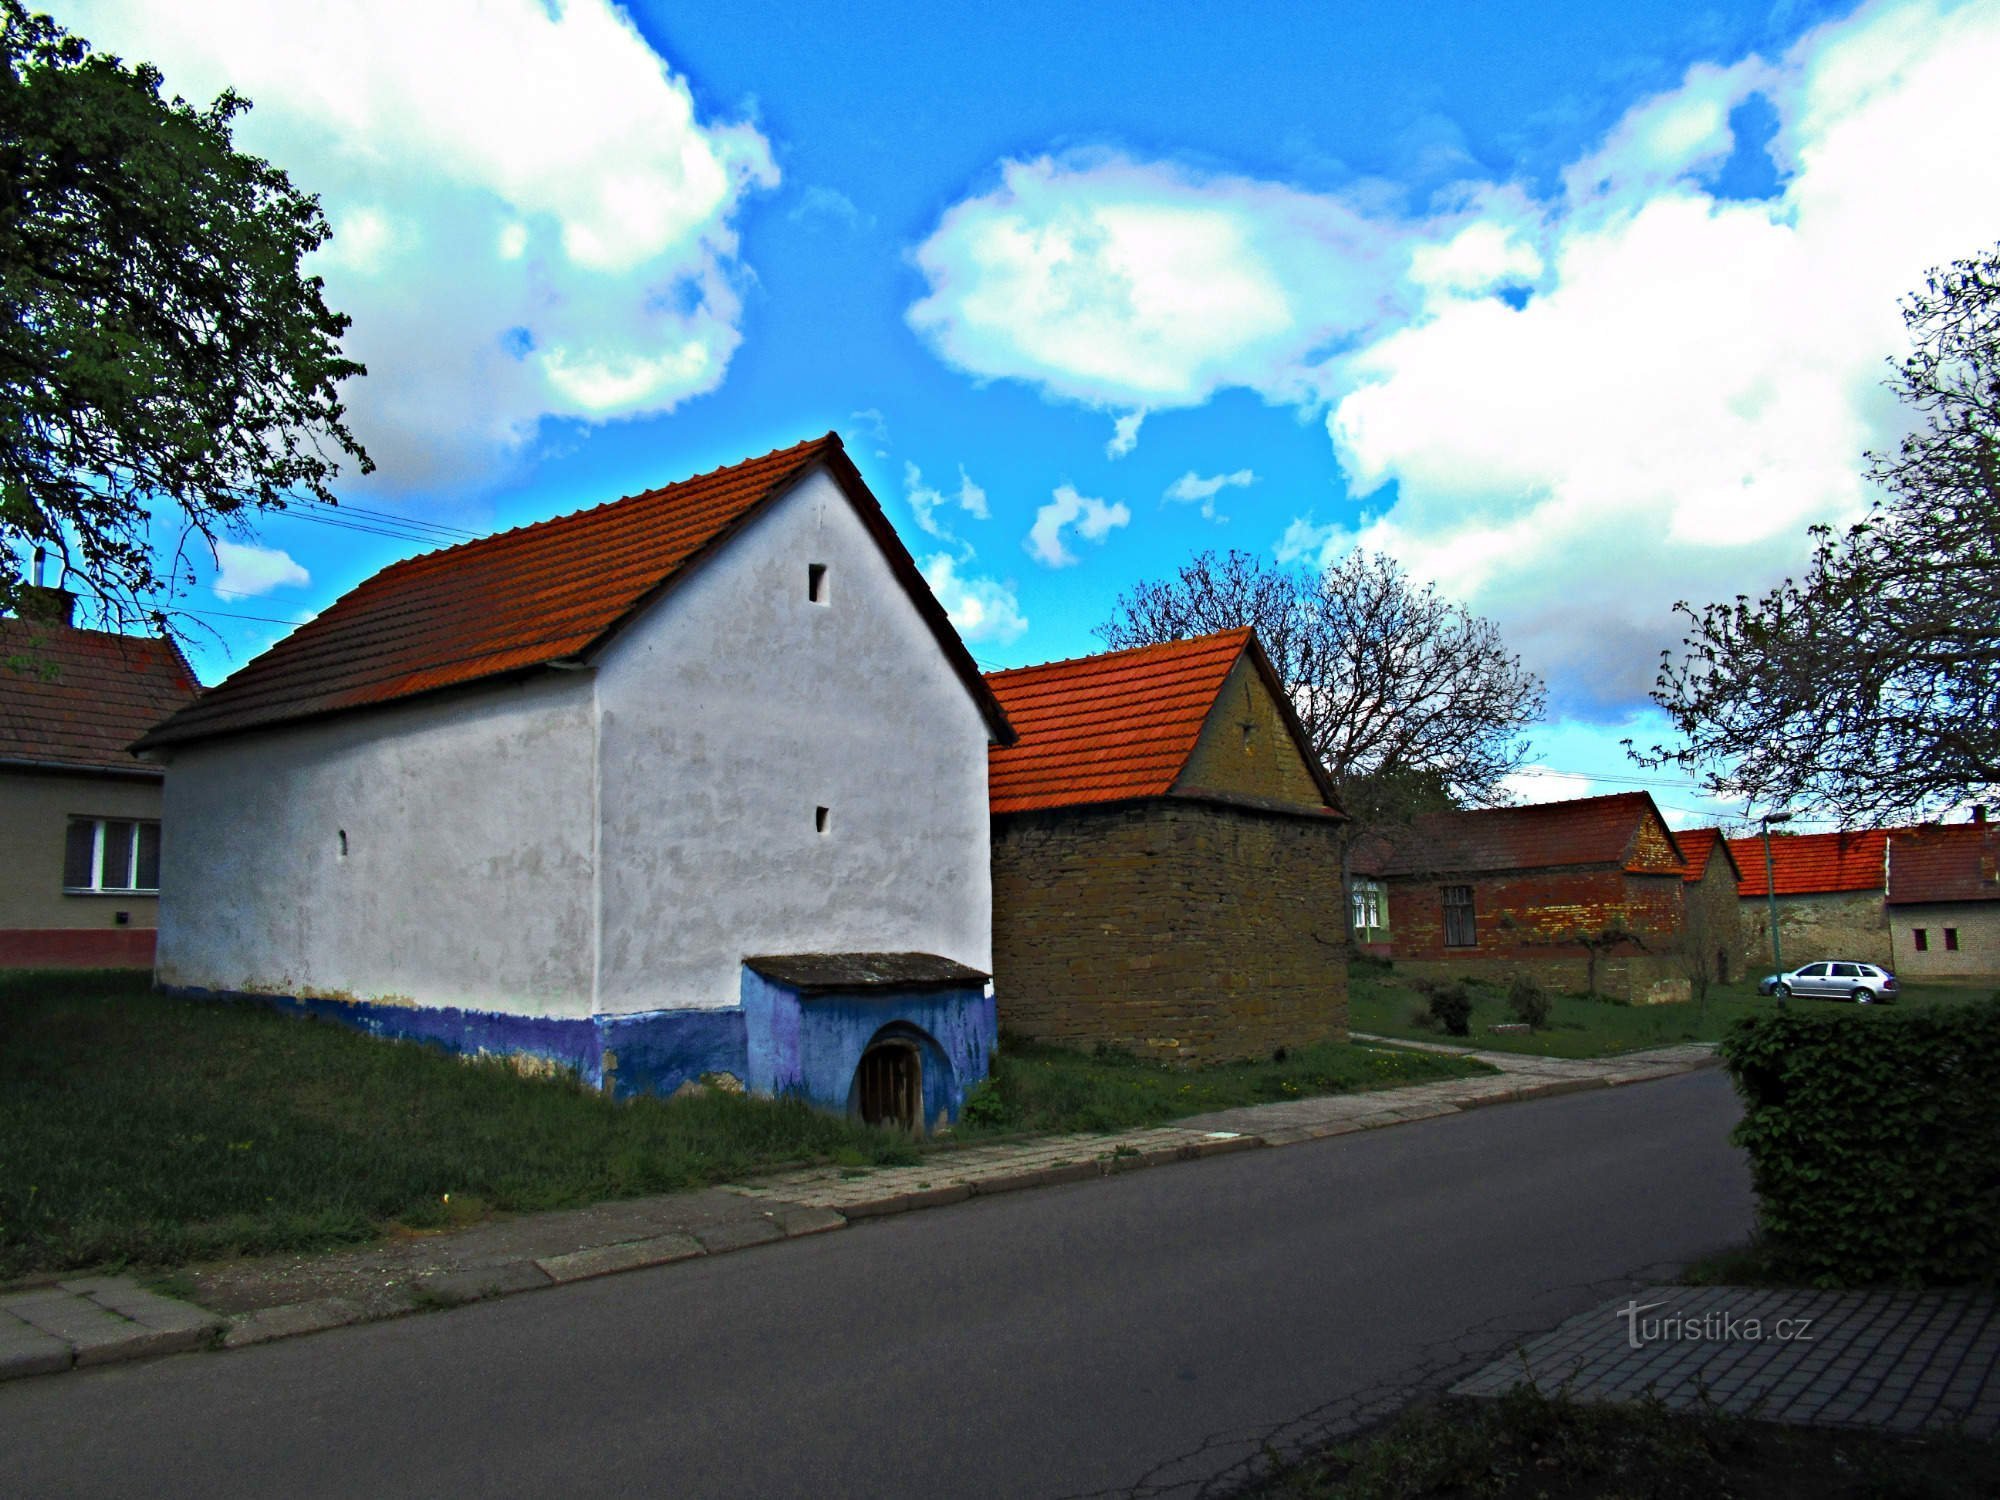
point(1874, 1142)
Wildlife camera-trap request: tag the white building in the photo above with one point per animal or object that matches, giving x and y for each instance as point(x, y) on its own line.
point(547, 792)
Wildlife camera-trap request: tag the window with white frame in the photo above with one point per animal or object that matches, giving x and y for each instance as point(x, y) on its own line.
point(111, 854)
point(1369, 906)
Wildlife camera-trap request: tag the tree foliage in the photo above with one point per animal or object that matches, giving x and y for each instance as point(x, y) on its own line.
point(1870, 688)
point(1409, 700)
point(161, 352)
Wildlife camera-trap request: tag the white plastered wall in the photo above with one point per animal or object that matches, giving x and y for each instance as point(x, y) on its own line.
point(733, 710)
point(468, 874)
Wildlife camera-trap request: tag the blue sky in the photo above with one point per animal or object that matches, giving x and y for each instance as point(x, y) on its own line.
point(1576, 310)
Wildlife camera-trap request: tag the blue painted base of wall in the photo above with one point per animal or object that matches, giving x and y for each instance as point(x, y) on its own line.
point(778, 1042)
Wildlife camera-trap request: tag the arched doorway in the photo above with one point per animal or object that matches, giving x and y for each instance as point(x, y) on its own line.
point(889, 1084)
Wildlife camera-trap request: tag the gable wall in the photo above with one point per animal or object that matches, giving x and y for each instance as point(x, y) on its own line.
point(1977, 924)
point(1714, 920)
point(1245, 746)
point(468, 875)
point(734, 709)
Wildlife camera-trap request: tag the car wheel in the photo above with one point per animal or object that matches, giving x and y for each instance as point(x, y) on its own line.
point(1861, 997)
point(1784, 992)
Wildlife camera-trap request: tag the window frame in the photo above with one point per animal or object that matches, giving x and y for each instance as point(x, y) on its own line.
point(1367, 903)
point(1461, 916)
point(134, 855)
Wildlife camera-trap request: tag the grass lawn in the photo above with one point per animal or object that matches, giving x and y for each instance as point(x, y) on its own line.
point(1056, 1089)
point(136, 1128)
point(1531, 1446)
point(1383, 1003)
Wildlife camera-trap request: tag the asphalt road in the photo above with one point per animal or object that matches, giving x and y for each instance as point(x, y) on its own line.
point(1149, 1329)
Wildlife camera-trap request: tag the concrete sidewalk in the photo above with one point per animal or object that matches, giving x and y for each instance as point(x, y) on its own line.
point(252, 1301)
point(1903, 1362)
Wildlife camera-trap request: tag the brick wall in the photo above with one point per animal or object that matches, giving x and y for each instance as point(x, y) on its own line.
point(1843, 924)
point(1528, 922)
point(1173, 928)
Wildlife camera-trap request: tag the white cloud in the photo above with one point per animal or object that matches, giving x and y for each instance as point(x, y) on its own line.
point(1124, 434)
point(1093, 520)
point(246, 571)
point(530, 221)
point(927, 500)
point(1195, 489)
point(1538, 783)
point(982, 609)
point(1568, 410)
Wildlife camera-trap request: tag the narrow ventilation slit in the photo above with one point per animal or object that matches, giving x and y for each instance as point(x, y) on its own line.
point(822, 819)
point(816, 583)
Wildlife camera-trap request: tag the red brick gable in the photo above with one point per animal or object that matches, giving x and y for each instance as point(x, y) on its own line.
point(1116, 726)
point(107, 690)
point(1623, 831)
point(552, 592)
point(1809, 864)
point(1960, 862)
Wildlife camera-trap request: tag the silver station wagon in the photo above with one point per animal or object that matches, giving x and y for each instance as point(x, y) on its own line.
point(1832, 979)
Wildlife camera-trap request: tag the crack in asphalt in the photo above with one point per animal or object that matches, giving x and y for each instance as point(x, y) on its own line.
point(1226, 1463)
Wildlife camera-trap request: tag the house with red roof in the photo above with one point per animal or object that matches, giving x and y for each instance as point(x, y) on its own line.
point(1829, 896)
point(1165, 861)
point(1585, 896)
point(79, 817)
point(690, 783)
point(1942, 895)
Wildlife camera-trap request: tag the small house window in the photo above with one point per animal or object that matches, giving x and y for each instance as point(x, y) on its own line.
point(1368, 906)
point(822, 819)
point(1460, 928)
point(1922, 938)
point(1951, 940)
point(111, 854)
point(816, 582)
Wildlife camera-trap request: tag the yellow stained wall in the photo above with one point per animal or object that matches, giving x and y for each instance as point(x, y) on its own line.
point(1245, 748)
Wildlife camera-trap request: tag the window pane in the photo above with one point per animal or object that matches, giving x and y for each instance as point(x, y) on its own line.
point(1923, 938)
point(79, 853)
point(1951, 940)
point(116, 871)
point(149, 857)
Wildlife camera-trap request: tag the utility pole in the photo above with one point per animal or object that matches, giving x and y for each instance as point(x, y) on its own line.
point(1771, 896)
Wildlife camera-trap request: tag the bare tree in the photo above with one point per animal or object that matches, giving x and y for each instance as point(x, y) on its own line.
point(1411, 702)
point(1871, 689)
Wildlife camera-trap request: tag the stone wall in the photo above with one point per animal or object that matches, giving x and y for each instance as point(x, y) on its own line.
point(1713, 921)
point(1851, 925)
point(1174, 928)
point(1246, 747)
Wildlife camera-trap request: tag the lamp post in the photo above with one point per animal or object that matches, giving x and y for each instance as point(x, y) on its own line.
point(1771, 896)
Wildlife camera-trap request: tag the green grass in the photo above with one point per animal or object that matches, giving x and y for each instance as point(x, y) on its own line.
point(1531, 1446)
point(1383, 1003)
point(152, 1131)
point(135, 1128)
point(1058, 1089)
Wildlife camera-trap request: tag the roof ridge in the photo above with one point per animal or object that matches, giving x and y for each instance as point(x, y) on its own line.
point(1179, 643)
point(827, 439)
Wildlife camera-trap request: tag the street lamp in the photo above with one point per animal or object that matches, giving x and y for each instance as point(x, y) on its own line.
point(1771, 896)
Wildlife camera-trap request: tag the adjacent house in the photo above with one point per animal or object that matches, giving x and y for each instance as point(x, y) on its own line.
point(1711, 917)
point(1943, 900)
point(1829, 896)
point(1165, 857)
point(1585, 896)
point(79, 817)
point(690, 783)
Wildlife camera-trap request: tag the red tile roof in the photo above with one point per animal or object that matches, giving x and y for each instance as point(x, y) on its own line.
point(1810, 864)
point(1697, 845)
point(107, 690)
point(1960, 862)
point(1538, 836)
point(1116, 726)
point(553, 592)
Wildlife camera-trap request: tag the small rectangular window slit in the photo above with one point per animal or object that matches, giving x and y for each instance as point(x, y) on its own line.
point(822, 818)
point(816, 582)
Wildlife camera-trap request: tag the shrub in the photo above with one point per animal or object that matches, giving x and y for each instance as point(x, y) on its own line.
point(1451, 1005)
point(1529, 1002)
point(1874, 1142)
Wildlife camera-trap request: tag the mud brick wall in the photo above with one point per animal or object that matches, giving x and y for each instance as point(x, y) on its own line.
point(1842, 924)
point(1714, 920)
point(1526, 923)
point(1173, 928)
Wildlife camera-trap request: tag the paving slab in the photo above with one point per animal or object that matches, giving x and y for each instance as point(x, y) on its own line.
point(1898, 1361)
point(291, 1320)
point(27, 1350)
point(607, 1260)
